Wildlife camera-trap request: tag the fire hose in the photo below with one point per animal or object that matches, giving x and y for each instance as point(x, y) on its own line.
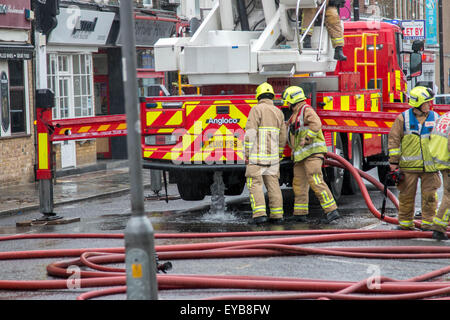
point(290, 243)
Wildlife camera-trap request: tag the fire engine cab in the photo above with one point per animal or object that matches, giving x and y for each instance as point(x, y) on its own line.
point(229, 55)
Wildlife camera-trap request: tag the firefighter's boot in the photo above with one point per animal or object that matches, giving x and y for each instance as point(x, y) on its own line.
point(299, 218)
point(339, 54)
point(259, 220)
point(307, 42)
point(331, 216)
point(403, 228)
point(437, 235)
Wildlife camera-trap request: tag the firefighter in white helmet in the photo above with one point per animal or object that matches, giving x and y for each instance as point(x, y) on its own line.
point(264, 142)
point(334, 26)
point(440, 151)
point(308, 146)
point(409, 151)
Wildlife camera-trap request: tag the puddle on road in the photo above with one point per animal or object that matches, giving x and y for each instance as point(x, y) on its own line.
point(235, 217)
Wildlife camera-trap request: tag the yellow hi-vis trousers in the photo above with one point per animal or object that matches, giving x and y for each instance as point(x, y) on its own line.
point(257, 199)
point(430, 183)
point(440, 221)
point(308, 173)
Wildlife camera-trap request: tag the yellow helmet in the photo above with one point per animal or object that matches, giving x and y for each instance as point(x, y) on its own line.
point(294, 95)
point(264, 88)
point(419, 95)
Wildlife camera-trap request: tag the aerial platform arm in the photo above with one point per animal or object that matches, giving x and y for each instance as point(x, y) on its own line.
point(221, 52)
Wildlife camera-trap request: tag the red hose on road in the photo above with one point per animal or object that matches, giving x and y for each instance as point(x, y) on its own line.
point(290, 243)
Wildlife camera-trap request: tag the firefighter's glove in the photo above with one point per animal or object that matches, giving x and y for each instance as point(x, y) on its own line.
point(308, 140)
point(302, 142)
point(395, 177)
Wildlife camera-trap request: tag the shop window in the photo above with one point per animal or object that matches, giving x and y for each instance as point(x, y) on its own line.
point(82, 76)
point(17, 102)
point(13, 102)
point(145, 59)
point(71, 79)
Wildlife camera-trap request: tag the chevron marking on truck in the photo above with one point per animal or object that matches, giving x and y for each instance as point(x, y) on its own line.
point(72, 129)
point(357, 122)
point(206, 135)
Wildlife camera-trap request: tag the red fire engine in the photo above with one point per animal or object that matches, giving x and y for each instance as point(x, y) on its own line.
point(194, 136)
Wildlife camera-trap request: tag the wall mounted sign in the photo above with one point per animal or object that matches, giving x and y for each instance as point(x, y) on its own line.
point(431, 18)
point(12, 14)
point(81, 27)
point(16, 51)
point(413, 29)
point(149, 31)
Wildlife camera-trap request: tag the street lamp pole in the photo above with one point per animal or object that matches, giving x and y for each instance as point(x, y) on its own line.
point(441, 50)
point(140, 257)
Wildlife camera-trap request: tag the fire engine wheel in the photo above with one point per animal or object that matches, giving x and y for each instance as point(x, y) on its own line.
point(234, 190)
point(234, 184)
point(334, 175)
point(357, 161)
point(190, 192)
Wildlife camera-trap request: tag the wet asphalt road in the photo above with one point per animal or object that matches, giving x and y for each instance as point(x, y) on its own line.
point(110, 215)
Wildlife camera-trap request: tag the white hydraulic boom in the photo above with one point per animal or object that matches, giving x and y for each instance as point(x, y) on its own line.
point(221, 52)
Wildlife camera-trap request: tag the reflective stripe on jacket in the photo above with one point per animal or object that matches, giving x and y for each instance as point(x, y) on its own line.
point(265, 134)
point(440, 142)
point(415, 150)
point(299, 129)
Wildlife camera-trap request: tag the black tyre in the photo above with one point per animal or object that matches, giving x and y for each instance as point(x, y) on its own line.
point(357, 160)
point(335, 176)
point(234, 183)
point(190, 191)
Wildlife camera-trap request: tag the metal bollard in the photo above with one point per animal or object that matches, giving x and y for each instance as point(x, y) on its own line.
point(139, 236)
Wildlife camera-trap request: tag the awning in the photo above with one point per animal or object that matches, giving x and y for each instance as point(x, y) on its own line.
point(16, 51)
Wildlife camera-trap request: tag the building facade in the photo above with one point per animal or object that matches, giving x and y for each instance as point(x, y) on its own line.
point(17, 141)
point(84, 70)
point(436, 62)
point(80, 33)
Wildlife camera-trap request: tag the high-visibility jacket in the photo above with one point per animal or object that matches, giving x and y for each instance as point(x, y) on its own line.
point(265, 134)
point(413, 151)
point(304, 123)
point(440, 142)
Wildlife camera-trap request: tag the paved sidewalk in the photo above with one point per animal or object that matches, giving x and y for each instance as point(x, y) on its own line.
point(76, 187)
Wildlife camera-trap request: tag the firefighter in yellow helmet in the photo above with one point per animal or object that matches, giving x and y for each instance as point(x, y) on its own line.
point(264, 142)
point(333, 23)
point(440, 151)
point(409, 151)
point(308, 146)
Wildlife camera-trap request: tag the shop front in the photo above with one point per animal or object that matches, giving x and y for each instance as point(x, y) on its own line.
point(16, 131)
point(70, 73)
point(149, 27)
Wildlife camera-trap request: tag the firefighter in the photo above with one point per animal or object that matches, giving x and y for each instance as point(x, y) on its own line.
point(440, 151)
point(333, 24)
point(409, 152)
point(308, 146)
point(265, 139)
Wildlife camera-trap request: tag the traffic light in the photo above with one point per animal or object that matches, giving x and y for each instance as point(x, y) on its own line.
point(45, 13)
